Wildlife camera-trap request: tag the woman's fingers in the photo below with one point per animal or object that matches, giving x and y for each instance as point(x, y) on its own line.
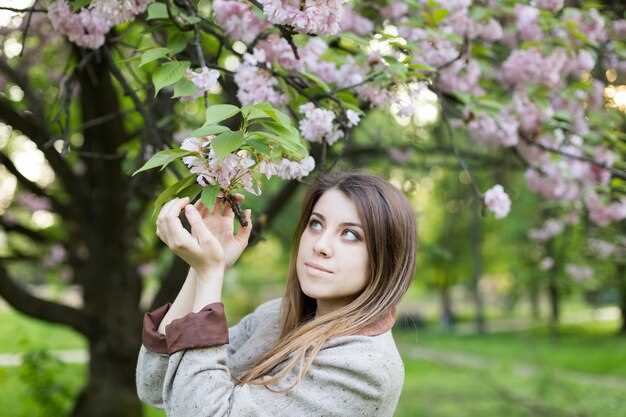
point(243, 234)
point(198, 228)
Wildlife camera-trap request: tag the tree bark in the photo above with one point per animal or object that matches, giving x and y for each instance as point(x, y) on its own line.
point(475, 249)
point(448, 318)
point(111, 289)
point(620, 275)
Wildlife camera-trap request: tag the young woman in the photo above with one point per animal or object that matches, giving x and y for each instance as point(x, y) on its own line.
point(323, 349)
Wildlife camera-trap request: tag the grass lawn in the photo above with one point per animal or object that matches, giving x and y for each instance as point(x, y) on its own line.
point(19, 332)
point(591, 347)
point(430, 389)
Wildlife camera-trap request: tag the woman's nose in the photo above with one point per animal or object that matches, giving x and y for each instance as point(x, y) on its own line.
point(322, 246)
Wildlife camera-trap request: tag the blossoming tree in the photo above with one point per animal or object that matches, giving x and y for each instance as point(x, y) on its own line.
point(224, 95)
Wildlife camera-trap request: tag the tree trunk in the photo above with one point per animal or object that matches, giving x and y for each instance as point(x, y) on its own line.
point(111, 287)
point(534, 298)
point(448, 318)
point(620, 274)
point(555, 304)
point(475, 249)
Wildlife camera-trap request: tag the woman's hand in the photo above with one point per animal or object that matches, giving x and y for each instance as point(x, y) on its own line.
point(220, 222)
point(211, 243)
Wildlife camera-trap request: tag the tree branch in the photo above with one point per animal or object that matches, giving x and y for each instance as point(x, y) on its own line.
point(24, 302)
point(31, 186)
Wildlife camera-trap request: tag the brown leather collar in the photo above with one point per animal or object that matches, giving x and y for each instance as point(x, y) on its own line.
point(380, 326)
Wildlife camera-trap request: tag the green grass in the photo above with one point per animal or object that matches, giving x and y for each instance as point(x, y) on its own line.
point(436, 390)
point(591, 348)
point(430, 389)
point(19, 333)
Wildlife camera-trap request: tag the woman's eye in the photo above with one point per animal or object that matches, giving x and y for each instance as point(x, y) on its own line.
point(312, 222)
point(355, 234)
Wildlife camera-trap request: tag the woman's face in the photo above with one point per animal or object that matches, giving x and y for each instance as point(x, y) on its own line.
point(334, 240)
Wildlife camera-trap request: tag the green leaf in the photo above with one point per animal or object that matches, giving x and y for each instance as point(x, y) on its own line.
point(209, 130)
point(274, 113)
point(170, 193)
point(219, 112)
point(163, 158)
point(157, 11)
point(184, 87)
point(168, 74)
point(191, 191)
point(226, 142)
point(318, 81)
point(258, 145)
point(209, 195)
point(252, 111)
point(153, 55)
point(178, 42)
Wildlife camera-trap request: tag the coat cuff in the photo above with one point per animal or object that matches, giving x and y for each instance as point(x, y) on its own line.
point(207, 327)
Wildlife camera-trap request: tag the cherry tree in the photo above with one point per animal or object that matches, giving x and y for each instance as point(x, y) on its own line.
point(132, 102)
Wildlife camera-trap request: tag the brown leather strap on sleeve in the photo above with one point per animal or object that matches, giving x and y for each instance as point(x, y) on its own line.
point(207, 327)
point(150, 337)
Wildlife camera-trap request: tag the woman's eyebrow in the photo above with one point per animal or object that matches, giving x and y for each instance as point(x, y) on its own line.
point(342, 224)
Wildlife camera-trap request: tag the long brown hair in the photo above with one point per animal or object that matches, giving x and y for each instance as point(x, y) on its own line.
point(391, 237)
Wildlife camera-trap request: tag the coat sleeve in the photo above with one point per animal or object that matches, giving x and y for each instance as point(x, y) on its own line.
point(154, 354)
point(198, 383)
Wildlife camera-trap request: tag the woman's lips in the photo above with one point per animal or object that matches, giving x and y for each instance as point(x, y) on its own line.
point(313, 267)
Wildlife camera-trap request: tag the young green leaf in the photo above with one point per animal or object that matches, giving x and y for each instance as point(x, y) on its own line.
point(226, 142)
point(168, 74)
point(184, 87)
point(219, 112)
point(209, 195)
point(157, 11)
point(209, 130)
point(153, 55)
point(163, 158)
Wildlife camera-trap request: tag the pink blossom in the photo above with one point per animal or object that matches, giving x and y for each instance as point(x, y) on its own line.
point(491, 31)
point(601, 248)
point(33, 202)
point(89, 27)
point(546, 263)
point(602, 213)
point(498, 201)
point(353, 118)
point(549, 229)
point(619, 28)
point(551, 5)
point(400, 156)
point(204, 80)
point(317, 124)
point(321, 17)
point(238, 21)
point(395, 10)
point(527, 22)
point(56, 255)
point(494, 132)
point(578, 273)
point(591, 23)
point(256, 84)
point(462, 77)
point(286, 168)
point(354, 22)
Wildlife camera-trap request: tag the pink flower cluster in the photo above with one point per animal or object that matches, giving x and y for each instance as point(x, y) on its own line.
point(322, 17)
point(601, 248)
point(317, 124)
point(529, 66)
point(33, 202)
point(204, 80)
point(494, 132)
point(602, 213)
point(89, 27)
point(287, 169)
point(354, 22)
point(256, 84)
point(549, 229)
point(497, 201)
point(579, 273)
point(233, 169)
point(238, 21)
